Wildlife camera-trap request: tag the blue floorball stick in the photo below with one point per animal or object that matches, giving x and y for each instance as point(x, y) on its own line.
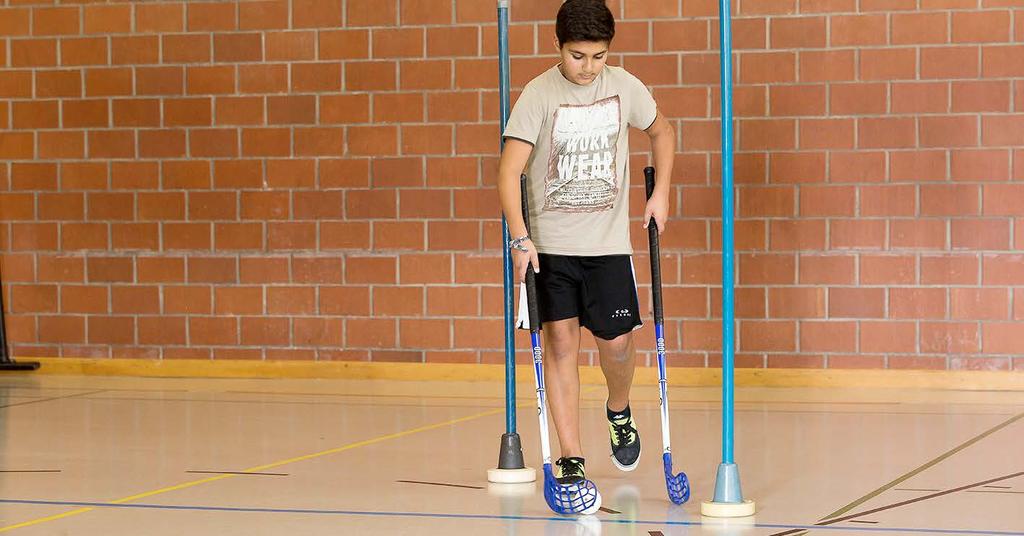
point(580, 497)
point(677, 485)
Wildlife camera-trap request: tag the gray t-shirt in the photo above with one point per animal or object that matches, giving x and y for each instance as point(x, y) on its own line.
point(579, 168)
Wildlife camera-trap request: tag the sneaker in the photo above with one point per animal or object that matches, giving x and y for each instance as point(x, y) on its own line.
point(570, 470)
point(625, 442)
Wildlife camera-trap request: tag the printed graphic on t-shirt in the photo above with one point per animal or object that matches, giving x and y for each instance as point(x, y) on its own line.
point(581, 171)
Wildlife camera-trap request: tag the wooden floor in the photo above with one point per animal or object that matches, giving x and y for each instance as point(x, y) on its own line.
point(110, 456)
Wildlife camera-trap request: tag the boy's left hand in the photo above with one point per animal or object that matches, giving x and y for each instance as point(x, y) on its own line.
point(657, 207)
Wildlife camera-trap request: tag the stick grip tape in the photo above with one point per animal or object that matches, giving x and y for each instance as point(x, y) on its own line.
point(652, 237)
point(531, 279)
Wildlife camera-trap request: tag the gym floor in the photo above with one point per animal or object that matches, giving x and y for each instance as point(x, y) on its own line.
point(108, 455)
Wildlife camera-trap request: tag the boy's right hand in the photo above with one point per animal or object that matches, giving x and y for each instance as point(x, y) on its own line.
point(524, 259)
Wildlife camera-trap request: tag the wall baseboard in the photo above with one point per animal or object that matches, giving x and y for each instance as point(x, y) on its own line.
point(696, 377)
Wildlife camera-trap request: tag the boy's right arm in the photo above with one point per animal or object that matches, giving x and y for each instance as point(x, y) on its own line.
point(514, 157)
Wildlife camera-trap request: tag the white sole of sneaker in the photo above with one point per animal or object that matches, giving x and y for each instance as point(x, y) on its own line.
point(628, 468)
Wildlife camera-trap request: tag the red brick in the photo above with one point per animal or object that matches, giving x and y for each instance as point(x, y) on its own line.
point(856, 302)
point(344, 109)
point(426, 12)
point(212, 270)
point(949, 337)
point(291, 236)
point(437, 268)
point(134, 50)
point(318, 331)
point(919, 28)
point(344, 44)
point(953, 131)
point(981, 27)
point(1002, 130)
point(345, 300)
point(950, 270)
point(771, 269)
point(375, 75)
point(823, 201)
point(236, 236)
point(918, 166)
point(33, 53)
point(767, 336)
point(204, 16)
point(828, 336)
point(370, 333)
point(917, 303)
point(888, 336)
point(263, 15)
point(111, 329)
point(1002, 199)
point(83, 299)
point(888, 200)
point(887, 133)
point(827, 134)
point(980, 234)
point(921, 233)
point(262, 331)
point(316, 77)
point(858, 30)
point(766, 67)
point(361, 270)
point(397, 301)
point(262, 78)
point(979, 303)
point(888, 64)
point(887, 270)
point(949, 62)
point(478, 333)
point(189, 300)
point(1002, 61)
point(1001, 338)
point(160, 269)
point(949, 200)
point(827, 65)
point(186, 48)
point(796, 302)
point(110, 269)
point(981, 96)
point(391, 235)
point(83, 236)
point(927, 97)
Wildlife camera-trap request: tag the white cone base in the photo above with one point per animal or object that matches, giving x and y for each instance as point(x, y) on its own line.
point(717, 509)
point(511, 476)
point(517, 489)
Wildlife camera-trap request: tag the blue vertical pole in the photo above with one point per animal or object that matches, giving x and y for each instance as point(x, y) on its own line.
point(510, 340)
point(511, 467)
point(728, 500)
point(728, 237)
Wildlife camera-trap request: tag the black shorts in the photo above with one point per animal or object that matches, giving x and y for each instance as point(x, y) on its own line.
point(600, 291)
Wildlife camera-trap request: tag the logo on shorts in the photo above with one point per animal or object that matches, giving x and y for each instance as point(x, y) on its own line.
point(621, 313)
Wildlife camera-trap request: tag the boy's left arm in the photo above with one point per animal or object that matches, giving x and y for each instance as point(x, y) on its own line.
point(663, 145)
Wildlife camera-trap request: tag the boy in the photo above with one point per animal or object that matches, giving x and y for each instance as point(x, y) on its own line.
point(569, 131)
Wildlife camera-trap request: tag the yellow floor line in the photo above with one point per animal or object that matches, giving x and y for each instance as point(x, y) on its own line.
point(259, 468)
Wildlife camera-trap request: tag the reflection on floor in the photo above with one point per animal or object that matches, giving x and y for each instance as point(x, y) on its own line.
point(101, 456)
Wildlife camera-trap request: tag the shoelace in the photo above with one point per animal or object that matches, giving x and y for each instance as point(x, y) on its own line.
point(570, 467)
point(623, 432)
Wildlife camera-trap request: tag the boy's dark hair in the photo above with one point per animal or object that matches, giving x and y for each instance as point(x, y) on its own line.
point(584, 20)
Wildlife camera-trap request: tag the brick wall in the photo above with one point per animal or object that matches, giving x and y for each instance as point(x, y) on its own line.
point(313, 179)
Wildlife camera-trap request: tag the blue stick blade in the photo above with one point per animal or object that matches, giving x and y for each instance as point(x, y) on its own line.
point(678, 486)
point(577, 498)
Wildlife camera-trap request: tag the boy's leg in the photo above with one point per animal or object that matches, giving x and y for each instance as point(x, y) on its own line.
point(618, 361)
point(562, 380)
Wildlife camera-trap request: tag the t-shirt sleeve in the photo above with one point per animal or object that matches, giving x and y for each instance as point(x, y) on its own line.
point(527, 117)
point(642, 108)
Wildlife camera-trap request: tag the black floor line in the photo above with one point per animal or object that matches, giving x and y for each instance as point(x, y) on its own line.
point(439, 484)
point(608, 510)
point(51, 399)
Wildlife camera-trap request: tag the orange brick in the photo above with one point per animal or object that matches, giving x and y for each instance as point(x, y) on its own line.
point(212, 16)
point(290, 46)
point(435, 268)
point(981, 96)
point(345, 300)
point(398, 43)
point(886, 133)
point(980, 234)
point(55, 21)
point(766, 67)
point(426, 12)
point(767, 336)
point(1002, 199)
point(1001, 61)
point(291, 236)
point(828, 336)
point(888, 64)
point(768, 269)
point(950, 270)
point(238, 236)
point(398, 235)
point(344, 44)
point(263, 78)
point(315, 13)
point(160, 81)
point(856, 302)
point(887, 270)
point(767, 134)
point(83, 51)
point(917, 166)
point(33, 53)
point(1002, 270)
point(952, 131)
point(799, 100)
point(921, 233)
point(370, 270)
point(316, 77)
point(1002, 130)
point(186, 48)
point(263, 15)
point(398, 107)
point(478, 333)
point(376, 75)
point(159, 18)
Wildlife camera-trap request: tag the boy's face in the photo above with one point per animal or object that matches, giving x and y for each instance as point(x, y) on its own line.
point(582, 61)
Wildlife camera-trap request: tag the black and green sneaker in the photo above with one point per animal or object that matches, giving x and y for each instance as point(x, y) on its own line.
point(570, 470)
point(624, 438)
